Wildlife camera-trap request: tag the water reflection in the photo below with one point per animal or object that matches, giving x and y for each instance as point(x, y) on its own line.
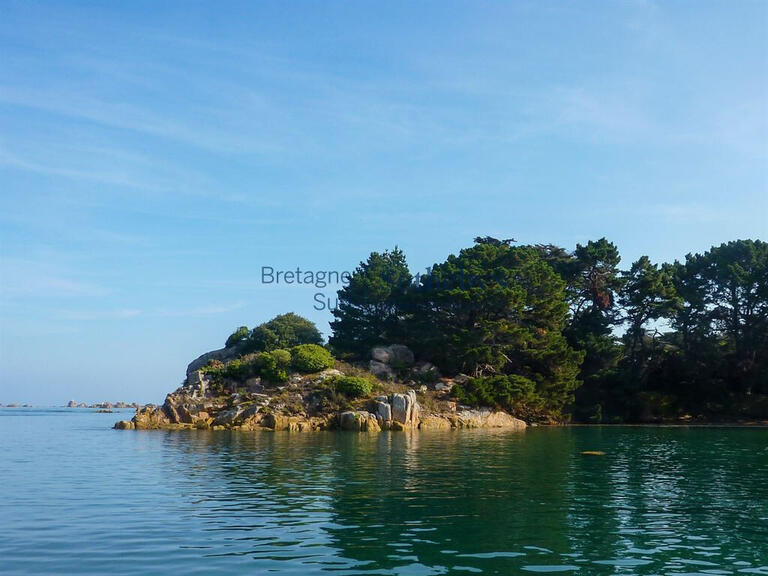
point(662, 501)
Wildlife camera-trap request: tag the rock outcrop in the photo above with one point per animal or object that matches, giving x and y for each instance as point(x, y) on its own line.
point(223, 354)
point(306, 403)
point(471, 419)
point(358, 422)
point(186, 408)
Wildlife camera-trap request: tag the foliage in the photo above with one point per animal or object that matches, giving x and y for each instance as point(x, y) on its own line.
point(284, 331)
point(372, 305)
point(308, 358)
point(531, 323)
point(213, 367)
point(238, 336)
point(273, 366)
point(592, 282)
point(515, 394)
point(648, 294)
point(497, 310)
point(240, 369)
point(352, 386)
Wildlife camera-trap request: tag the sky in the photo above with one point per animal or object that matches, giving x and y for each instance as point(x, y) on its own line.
point(155, 156)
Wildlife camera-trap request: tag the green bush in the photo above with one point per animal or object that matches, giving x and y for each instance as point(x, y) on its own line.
point(242, 368)
point(273, 366)
point(283, 357)
point(284, 331)
point(308, 358)
point(236, 369)
point(352, 386)
point(513, 393)
point(239, 335)
point(213, 368)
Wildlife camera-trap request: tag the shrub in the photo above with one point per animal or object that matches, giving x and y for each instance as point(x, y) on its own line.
point(427, 376)
point(273, 366)
point(213, 368)
point(513, 393)
point(352, 386)
point(326, 399)
point(239, 335)
point(284, 331)
point(283, 357)
point(242, 368)
point(307, 358)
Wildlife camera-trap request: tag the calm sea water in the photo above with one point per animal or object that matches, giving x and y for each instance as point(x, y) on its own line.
point(78, 497)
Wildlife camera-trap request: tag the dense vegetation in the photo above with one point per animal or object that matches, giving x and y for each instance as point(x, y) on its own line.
point(352, 386)
point(273, 365)
point(283, 331)
point(549, 333)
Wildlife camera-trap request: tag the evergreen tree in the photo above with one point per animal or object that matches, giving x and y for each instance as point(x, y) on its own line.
point(371, 307)
point(592, 279)
point(498, 310)
point(648, 294)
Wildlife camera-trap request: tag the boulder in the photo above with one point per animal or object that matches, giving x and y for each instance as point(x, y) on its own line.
point(485, 419)
point(401, 354)
point(434, 422)
point(280, 422)
point(228, 417)
point(383, 411)
point(197, 383)
point(358, 422)
point(124, 425)
point(381, 354)
point(150, 418)
point(400, 408)
point(381, 370)
point(405, 408)
point(396, 354)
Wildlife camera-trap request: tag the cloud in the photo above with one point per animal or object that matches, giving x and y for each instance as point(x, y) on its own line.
point(193, 132)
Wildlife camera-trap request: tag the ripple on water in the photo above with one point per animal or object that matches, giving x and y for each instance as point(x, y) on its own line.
point(77, 497)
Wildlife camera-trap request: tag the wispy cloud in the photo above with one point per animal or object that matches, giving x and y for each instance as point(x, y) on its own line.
point(129, 117)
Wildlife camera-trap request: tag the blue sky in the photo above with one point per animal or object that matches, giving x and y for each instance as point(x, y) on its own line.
point(154, 156)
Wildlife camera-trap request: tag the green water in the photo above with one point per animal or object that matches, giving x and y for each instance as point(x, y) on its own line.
point(77, 497)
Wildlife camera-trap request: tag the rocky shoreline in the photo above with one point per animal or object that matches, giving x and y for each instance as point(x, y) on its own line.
point(297, 406)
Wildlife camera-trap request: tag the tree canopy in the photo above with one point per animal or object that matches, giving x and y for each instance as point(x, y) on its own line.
point(531, 325)
point(372, 305)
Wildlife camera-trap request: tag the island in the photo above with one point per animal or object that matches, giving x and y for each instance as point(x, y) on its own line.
point(305, 388)
point(500, 335)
